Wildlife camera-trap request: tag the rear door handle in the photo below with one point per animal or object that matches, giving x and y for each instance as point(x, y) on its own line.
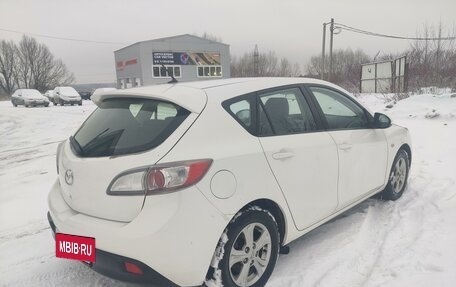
point(345, 146)
point(282, 155)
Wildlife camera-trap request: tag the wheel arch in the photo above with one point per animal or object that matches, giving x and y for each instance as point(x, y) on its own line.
point(408, 150)
point(275, 210)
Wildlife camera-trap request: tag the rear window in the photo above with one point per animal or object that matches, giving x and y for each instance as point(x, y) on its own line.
point(122, 126)
point(33, 93)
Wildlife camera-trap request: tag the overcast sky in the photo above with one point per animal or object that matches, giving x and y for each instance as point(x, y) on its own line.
point(292, 28)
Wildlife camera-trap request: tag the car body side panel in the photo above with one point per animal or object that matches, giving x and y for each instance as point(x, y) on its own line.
point(308, 177)
point(363, 157)
point(232, 149)
point(396, 137)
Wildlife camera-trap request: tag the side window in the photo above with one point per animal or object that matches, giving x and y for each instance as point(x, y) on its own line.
point(340, 111)
point(242, 110)
point(287, 112)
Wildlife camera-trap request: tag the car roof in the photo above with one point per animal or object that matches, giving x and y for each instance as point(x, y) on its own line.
point(193, 95)
point(27, 90)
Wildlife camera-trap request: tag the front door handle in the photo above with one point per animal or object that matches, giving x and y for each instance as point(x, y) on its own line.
point(282, 155)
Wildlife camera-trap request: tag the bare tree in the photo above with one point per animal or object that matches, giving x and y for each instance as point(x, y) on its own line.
point(8, 66)
point(269, 65)
point(432, 62)
point(37, 67)
point(212, 37)
point(346, 67)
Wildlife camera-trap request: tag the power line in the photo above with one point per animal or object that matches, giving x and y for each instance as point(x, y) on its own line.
point(356, 30)
point(65, 39)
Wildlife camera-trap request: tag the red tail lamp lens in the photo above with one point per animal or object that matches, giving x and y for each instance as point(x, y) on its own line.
point(172, 176)
point(156, 179)
point(197, 171)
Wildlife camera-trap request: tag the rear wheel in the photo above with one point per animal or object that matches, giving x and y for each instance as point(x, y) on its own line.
point(398, 177)
point(62, 103)
point(251, 249)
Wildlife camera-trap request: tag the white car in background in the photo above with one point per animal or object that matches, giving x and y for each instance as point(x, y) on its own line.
point(28, 97)
point(50, 95)
point(66, 95)
point(187, 182)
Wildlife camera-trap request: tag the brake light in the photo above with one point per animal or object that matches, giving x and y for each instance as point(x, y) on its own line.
point(160, 178)
point(176, 175)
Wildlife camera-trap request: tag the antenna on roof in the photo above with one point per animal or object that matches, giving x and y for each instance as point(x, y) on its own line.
point(173, 80)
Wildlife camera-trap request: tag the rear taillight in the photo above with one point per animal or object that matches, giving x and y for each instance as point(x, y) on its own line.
point(160, 178)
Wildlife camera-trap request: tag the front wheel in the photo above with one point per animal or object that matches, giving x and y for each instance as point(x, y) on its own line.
point(250, 249)
point(397, 181)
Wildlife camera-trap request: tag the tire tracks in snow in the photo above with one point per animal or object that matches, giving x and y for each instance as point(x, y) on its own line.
point(366, 250)
point(390, 235)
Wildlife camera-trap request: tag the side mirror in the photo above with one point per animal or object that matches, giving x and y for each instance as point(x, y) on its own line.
point(381, 121)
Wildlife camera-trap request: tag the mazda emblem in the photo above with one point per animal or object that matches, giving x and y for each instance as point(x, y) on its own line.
point(69, 177)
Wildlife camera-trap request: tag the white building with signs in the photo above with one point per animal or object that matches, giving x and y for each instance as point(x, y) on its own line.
point(186, 57)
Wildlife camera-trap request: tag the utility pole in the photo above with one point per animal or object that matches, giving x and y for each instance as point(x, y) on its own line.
point(323, 53)
point(331, 30)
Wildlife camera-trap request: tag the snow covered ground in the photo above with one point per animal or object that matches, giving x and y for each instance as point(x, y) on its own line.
point(411, 242)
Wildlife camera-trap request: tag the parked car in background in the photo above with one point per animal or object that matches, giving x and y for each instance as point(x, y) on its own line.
point(215, 178)
point(28, 97)
point(101, 90)
point(49, 95)
point(85, 95)
point(66, 95)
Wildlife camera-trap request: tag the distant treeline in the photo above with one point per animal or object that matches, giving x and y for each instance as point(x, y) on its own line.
point(430, 63)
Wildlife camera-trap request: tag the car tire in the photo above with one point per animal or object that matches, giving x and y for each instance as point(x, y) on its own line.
point(62, 103)
point(14, 105)
point(46, 105)
point(397, 181)
point(245, 261)
point(80, 103)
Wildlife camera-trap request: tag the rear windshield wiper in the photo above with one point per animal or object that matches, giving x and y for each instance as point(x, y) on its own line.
point(93, 141)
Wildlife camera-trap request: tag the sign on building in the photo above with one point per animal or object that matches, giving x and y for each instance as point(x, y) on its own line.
point(184, 58)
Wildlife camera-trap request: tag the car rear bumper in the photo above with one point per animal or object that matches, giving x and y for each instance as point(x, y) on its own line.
point(36, 103)
point(113, 265)
point(71, 100)
point(172, 239)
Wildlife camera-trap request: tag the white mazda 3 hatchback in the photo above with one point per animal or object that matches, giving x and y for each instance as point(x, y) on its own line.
point(183, 183)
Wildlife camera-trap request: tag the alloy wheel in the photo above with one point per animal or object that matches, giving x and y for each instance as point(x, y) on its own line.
point(398, 175)
point(250, 254)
